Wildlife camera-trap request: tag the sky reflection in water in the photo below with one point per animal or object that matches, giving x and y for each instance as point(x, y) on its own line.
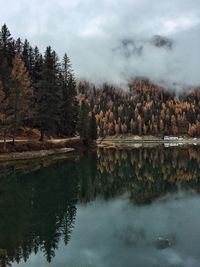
point(118, 233)
point(86, 219)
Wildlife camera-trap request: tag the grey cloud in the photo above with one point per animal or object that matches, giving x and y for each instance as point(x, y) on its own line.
point(89, 30)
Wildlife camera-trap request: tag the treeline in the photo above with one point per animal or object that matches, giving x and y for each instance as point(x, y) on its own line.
point(145, 109)
point(38, 91)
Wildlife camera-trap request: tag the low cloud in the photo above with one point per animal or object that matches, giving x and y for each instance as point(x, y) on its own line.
point(90, 32)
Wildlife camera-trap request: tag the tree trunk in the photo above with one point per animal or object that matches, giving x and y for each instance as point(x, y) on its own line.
point(41, 135)
point(4, 141)
point(15, 115)
point(14, 135)
point(85, 142)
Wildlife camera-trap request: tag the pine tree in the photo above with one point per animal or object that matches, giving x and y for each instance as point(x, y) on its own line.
point(72, 107)
point(31, 62)
point(37, 67)
point(48, 95)
point(25, 52)
point(93, 127)
point(18, 46)
point(36, 81)
point(7, 53)
point(84, 122)
point(69, 111)
point(3, 115)
point(6, 44)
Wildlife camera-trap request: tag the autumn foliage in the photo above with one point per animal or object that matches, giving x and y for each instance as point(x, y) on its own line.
point(145, 109)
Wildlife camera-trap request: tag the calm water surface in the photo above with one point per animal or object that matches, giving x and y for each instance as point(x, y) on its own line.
point(113, 208)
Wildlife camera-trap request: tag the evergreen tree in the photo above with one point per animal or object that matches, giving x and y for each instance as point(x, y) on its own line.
point(6, 56)
point(49, 96)
point(3, 115)
point(18, 46)
point(37, 66)
point(93, 127)
point(25, 52)
point(6, 45)
point(31, 62)
point(72, 107)
point(84, 122)
point(88, 126)
point(69, 112)
point(36, 80)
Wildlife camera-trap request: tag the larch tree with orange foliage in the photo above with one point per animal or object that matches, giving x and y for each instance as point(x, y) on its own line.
point(20, 95)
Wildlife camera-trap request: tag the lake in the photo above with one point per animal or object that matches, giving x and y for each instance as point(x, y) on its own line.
point(109, 208)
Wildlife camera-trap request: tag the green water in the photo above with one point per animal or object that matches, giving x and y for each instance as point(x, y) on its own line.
point(103, 209)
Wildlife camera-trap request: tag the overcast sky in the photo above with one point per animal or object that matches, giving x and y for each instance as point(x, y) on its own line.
point(91, 32)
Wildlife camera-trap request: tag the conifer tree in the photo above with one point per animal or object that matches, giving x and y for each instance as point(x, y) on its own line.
point(25, 52)
point(31, 62)
point(93, 127)
point(6, 56)
point(3, 115)
point(48, 95)
point(6, 44)
point(69, 111)
point(36, 82)
point(18, 46)
point(84, 122)
point(72, 107)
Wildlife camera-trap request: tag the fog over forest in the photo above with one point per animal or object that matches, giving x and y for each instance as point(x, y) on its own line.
point(99, 133)
point(114, 41)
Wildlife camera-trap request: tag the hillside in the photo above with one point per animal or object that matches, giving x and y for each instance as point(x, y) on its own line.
point(145, 109)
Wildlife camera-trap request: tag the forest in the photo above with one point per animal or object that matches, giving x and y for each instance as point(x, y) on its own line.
point(40, 91)
point(144, 109)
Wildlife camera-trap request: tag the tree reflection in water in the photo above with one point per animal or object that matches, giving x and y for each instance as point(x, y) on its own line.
point(147, 173)
point(38, 209)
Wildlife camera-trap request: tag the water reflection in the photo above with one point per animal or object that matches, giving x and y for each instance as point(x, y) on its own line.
point(148, 172)
point(117, 233)
point(38, 209)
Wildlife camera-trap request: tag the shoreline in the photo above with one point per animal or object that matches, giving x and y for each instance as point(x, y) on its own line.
point(27, 155)
point(107, 142)
point(135, 141)
point(33, 149)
